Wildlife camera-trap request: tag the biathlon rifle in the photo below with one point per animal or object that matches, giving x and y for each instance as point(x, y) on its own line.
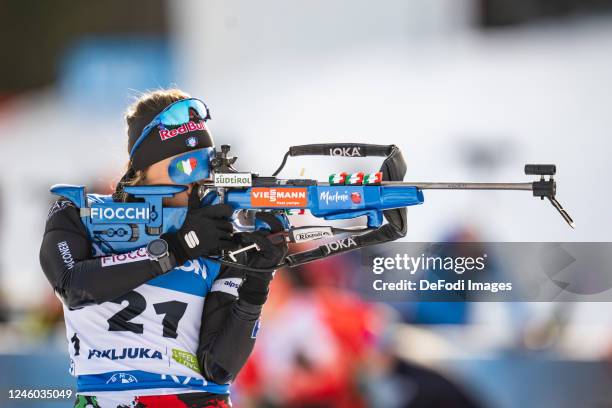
point(120, 227)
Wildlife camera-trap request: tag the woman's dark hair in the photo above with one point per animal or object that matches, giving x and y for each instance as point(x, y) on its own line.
point(138, 115)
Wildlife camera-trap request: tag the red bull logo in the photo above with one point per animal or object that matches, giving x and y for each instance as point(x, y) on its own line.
point(165, 134)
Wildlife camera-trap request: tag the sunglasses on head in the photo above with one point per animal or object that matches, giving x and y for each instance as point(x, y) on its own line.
point(178, 113)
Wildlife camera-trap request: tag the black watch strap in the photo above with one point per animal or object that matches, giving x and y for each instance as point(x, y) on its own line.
point(165, 262)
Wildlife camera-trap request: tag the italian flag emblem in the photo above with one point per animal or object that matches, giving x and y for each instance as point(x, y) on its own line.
point(337, 178)
point(355, 178)
point(373, 178)
point(187, 166)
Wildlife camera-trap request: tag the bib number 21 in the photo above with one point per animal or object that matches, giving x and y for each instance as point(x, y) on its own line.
point(173, 311)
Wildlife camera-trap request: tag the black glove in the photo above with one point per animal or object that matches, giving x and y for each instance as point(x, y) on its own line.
point(254, 288)
point(205, 231)
point(269, 254)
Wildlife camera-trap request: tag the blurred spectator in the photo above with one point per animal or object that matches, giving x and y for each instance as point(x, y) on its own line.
point(393, 383)
point(312, 345)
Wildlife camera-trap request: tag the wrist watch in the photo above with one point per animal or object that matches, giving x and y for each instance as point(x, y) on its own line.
point(158, 251)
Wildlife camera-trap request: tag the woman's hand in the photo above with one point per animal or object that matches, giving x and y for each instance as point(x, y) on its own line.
point(254, 289)
point(269, 254)
point(205, 231)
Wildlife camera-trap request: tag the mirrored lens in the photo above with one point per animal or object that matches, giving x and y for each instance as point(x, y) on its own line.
point(180, 112)
point(191, 167)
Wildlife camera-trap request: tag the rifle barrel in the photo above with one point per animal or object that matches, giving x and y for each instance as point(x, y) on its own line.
point(461, 186)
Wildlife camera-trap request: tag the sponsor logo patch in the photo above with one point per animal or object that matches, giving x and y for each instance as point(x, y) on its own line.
point(64, 251)
point(191, 141)
point(334, 197)
point(165, 134)
point(120, 212)
point(310, 234)
point(194, 266)
point(233, 180)
point(346, 151)
point(279, 197)
point(139, 254)
point(339, 197)
point(125, 353)
point(228, 285)
point(187, 359)
point(340, 245)
point(191, 239)
point(122, 378)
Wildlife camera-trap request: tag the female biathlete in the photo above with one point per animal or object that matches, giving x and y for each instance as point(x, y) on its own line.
point(163, 329)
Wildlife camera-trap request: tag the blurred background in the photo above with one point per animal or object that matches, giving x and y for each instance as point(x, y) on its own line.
point(470, 90)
